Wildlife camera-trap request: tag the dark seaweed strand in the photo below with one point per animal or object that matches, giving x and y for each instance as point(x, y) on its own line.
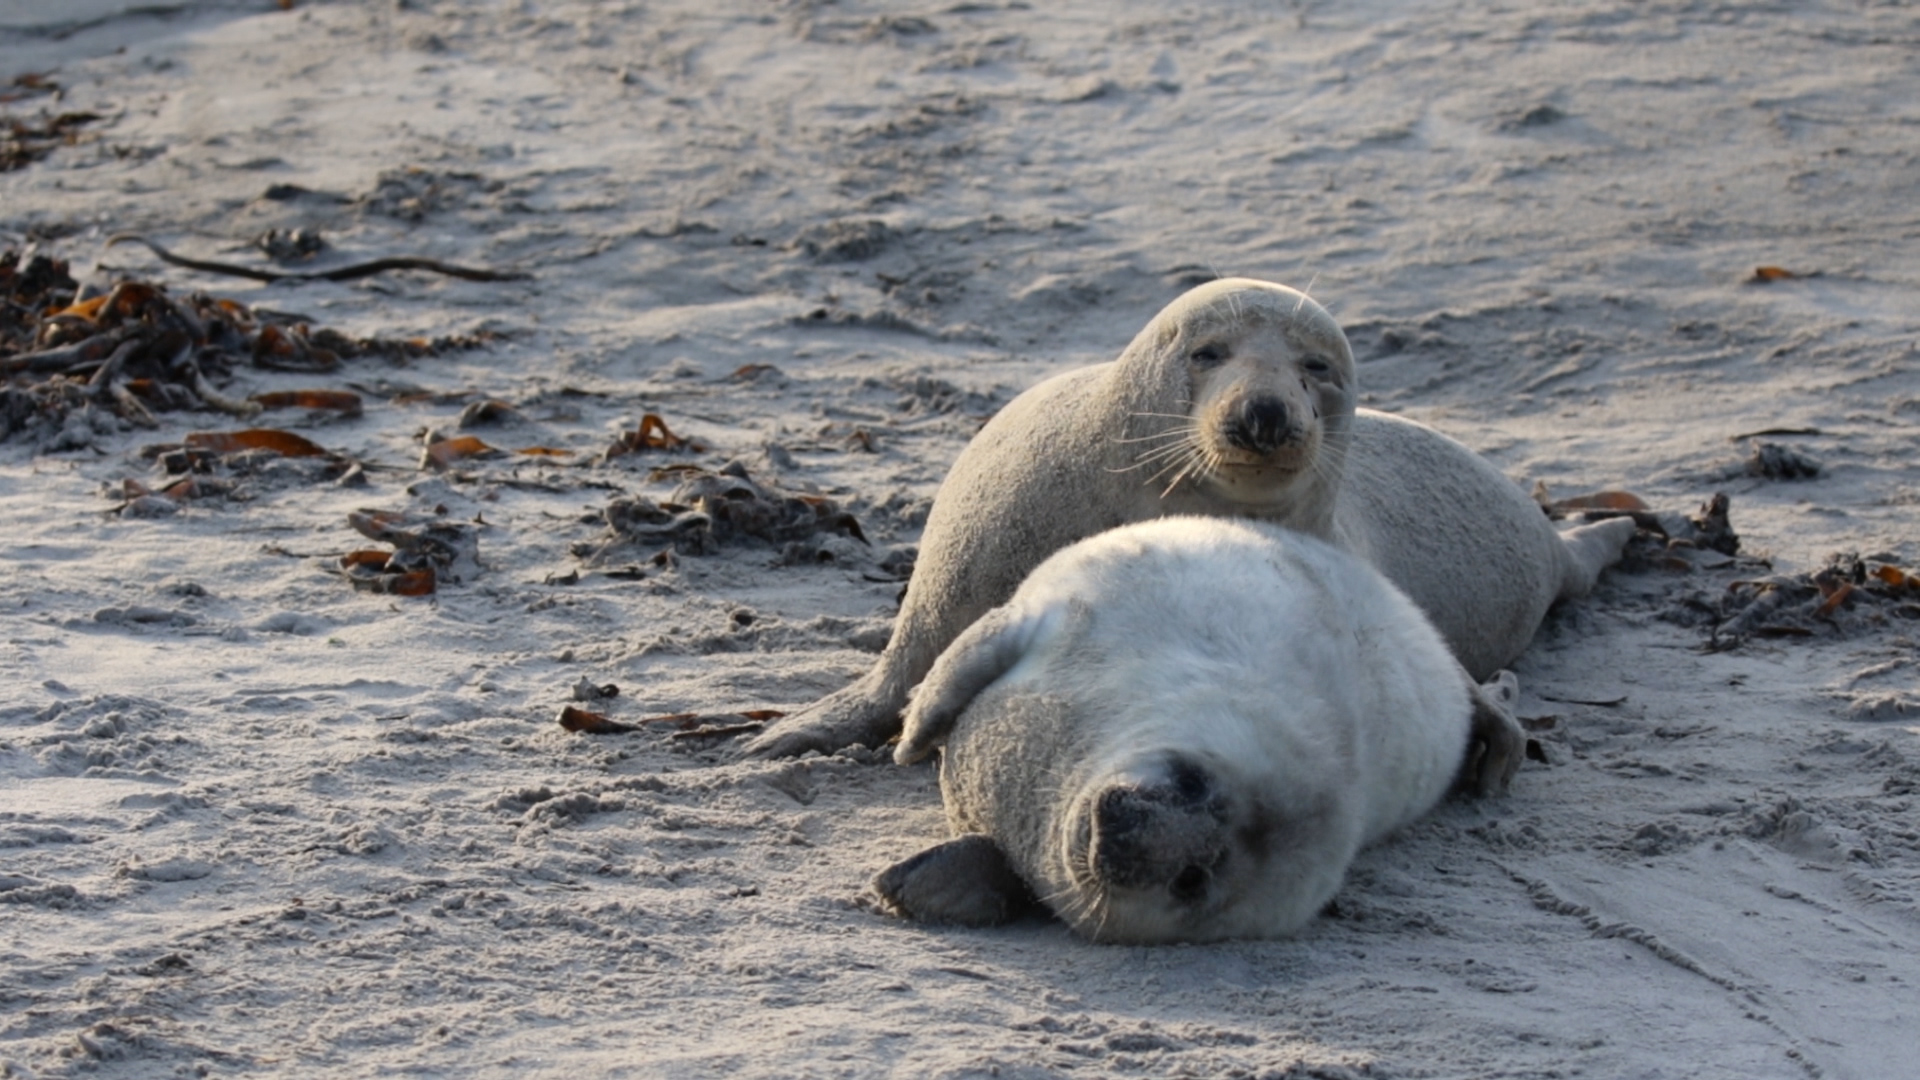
point(339, 273)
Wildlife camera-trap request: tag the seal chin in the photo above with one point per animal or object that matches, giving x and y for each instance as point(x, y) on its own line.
point(1276, 481)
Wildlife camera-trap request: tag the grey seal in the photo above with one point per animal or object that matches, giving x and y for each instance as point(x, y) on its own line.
point(1236, 400)
point(1183, 730)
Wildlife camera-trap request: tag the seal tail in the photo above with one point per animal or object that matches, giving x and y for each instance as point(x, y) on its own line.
point(977, 659)
point(1589, 550)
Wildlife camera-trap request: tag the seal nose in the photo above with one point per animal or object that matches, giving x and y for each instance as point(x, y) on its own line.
point(1167, 833)
point(1261, 426)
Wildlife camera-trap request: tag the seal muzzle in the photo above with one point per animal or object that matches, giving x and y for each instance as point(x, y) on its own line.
point(1168, 833)
point(1261, 425)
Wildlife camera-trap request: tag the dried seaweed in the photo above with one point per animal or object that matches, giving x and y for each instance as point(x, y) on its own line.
point(24, 141)
point(135, 350)
point(1846, 593)
point(429, 550)
point(350, 272)
point(1776, 462)
point(652, 433)
point(708, 510)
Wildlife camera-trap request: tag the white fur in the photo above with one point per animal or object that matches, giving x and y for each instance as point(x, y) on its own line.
point(1303, 679)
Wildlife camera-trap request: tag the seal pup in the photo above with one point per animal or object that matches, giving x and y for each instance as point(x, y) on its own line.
point(1182, 730)
point(1237, 400)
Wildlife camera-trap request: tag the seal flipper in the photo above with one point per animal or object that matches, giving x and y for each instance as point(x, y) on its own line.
point(1496, 742)
point(865, 712)
point(967, 881)
point(976, 659)
point(1589, 550)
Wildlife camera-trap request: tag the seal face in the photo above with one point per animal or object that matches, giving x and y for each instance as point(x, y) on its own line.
point(1183, 730)
point(1270, 395)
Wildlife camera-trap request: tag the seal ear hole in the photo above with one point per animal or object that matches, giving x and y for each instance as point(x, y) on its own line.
point(1210, 354)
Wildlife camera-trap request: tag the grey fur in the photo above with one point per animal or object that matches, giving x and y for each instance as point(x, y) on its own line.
point(1076, 455)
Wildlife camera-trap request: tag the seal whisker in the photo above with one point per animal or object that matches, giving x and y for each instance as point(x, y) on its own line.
point(1306, 292)
point(1184, 463)
point(1199, 458)
point(1155, 455)
point(1167, 434)
point(1158, 452)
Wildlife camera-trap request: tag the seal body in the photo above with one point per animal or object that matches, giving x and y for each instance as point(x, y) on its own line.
point(1183, 730)
point(1237, 400)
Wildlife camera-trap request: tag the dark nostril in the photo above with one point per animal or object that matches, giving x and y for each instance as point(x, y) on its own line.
point(1190, 884)
point(1190, 782)
point(1260, 426)
point(1265, 414)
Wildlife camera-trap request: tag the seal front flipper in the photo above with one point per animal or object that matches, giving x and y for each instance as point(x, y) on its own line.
point(967, 881)
point(1497, 742)
point(976, 660)
point(865, 713)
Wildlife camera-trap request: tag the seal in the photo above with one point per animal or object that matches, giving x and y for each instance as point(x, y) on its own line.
point(1182, 730)
point(1236, 400)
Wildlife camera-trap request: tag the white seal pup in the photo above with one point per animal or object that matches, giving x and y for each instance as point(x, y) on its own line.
point(1182, 730)
point(1237, 400)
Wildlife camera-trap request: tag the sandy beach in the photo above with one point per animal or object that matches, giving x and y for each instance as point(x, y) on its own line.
point(263, 814)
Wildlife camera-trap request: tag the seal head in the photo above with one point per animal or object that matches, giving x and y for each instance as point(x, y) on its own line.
point(1267, 382)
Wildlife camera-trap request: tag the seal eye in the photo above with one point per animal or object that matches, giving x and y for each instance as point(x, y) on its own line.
point(1208, 355)
point(1318, 367)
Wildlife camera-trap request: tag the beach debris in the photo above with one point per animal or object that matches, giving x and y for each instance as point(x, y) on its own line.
point(1799, 605)
point(377, 571)
point(486, 411)
point(291, 245)
point(215, 463)
point(687, 725)
point(284, 443)
point(592, 723)
point(1766, 275)
point(429, 551)
point(344, 402)
point(28, 84)
point(1763, 432)
point(589, 691)
point(24, 141)
point(141, 501)
point(412, 192)
point(845, 240)
point(442, 453)
point(118, 357)
point(1776, 462)
point(708, 510)
point(652, 433)
point(350, 272)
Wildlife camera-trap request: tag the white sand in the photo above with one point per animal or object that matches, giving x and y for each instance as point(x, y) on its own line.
point(306, 831)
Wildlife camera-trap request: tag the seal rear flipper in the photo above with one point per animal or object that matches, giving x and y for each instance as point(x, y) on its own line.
point(1591, 549)
point(1496, 742)
point(967, 882)
point(976, 659)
